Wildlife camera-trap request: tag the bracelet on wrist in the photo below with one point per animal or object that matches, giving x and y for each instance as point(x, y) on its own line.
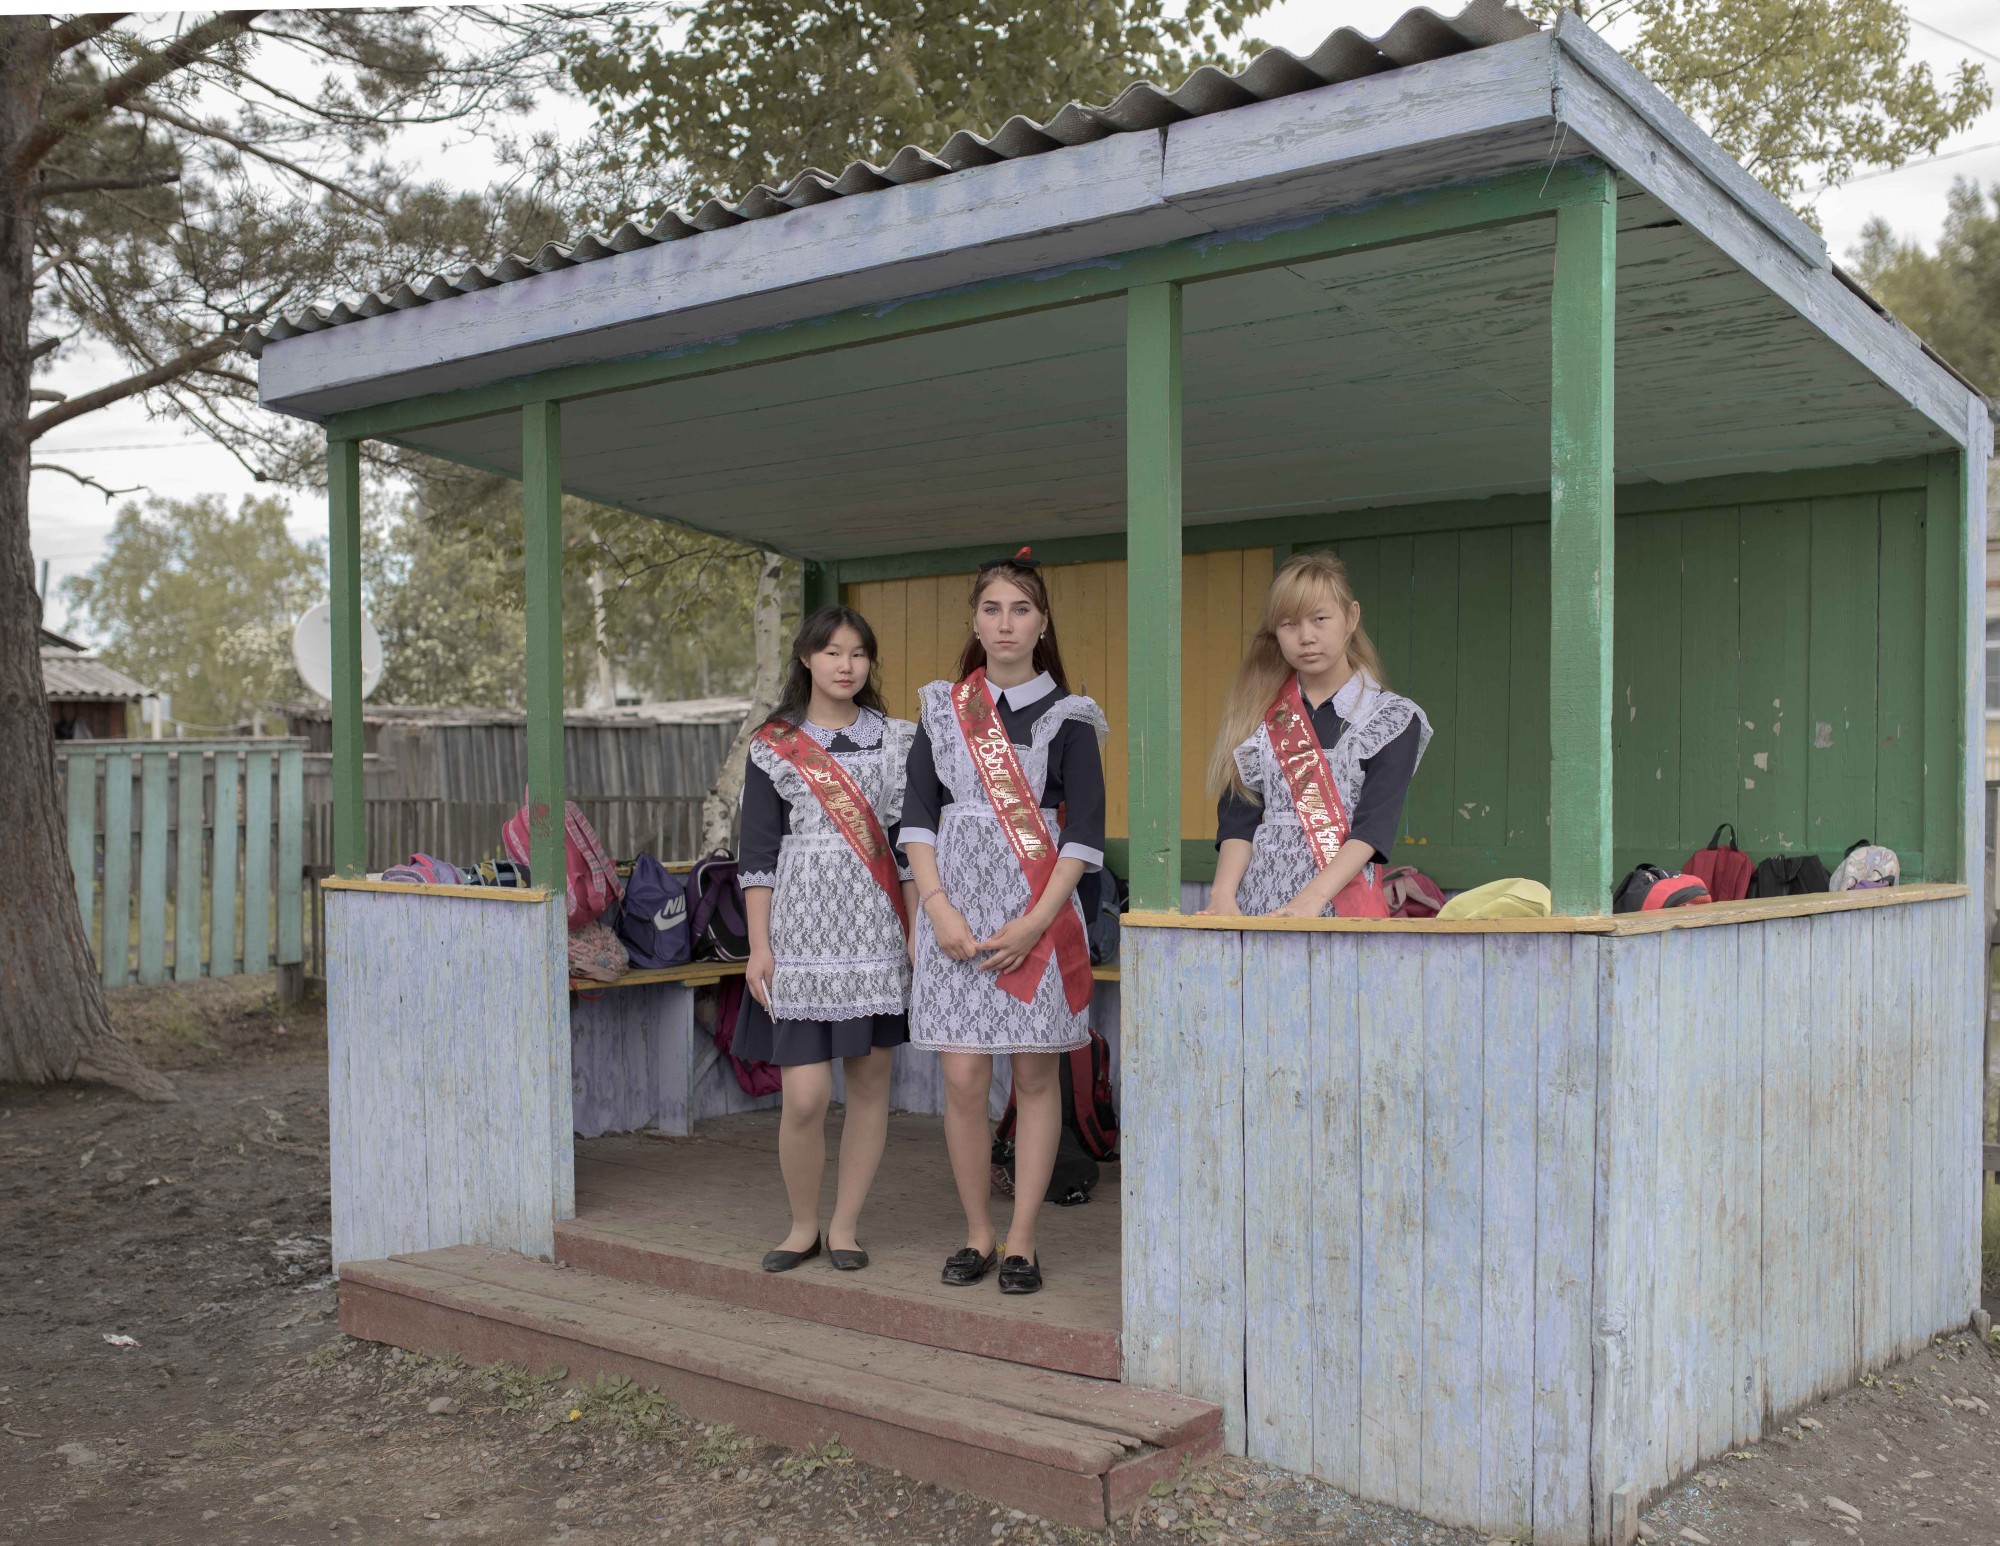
point(934, 891)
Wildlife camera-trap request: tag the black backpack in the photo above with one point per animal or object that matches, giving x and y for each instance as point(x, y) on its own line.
point(1102, 899)
point(1089, 1126)
point(717, 922)
point(1070, 1182)
point(1792, 876)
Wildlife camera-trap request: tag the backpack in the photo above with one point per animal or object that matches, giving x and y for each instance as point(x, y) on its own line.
point(1515, 897)
point(1794, 876)
point(752, 1078)
point(1101, 898)
point(1070, 1182)
point(423, 870)
point(718, 924)
point(1866, 867)
point(653, 922)
point(590, 880)
point(1648, 888)
point(1725, 871)
point(1410, 893)
point(595, 955)
point(1087, 1107)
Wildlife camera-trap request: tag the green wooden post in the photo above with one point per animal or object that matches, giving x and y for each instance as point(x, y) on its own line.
point(541, 488)
point(1153, 592)
point(343, 493)
point(189, 776)
point(1580, 554)
point(819, 587)
point(1944, 667)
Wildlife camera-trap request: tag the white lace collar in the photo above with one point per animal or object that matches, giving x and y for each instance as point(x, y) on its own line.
point(1348, 698)
point(1033, 690)
point(865, 732)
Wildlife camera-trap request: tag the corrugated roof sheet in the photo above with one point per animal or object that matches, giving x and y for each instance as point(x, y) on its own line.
point(69, 677)
point(1418, 35)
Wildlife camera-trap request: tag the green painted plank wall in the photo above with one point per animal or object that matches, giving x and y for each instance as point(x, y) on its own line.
point(1769, 672)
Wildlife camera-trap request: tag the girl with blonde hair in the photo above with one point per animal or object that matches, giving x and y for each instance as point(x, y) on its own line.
point(1314, 757)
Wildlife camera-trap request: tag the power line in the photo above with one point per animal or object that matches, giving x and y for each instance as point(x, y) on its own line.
point(1952, 38)
point(136, 445)
point(1890, 171)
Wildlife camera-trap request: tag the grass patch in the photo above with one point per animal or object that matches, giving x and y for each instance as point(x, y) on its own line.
point(519, 1389)
point(723, 1446)
point(619, 1400)
point(810, 1461)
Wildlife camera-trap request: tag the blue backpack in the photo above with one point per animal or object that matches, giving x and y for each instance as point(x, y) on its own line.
point(654, 920)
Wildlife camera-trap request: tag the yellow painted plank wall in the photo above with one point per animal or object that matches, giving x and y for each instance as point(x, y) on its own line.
point(921, 625)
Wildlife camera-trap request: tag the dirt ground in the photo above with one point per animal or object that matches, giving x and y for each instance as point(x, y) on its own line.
point(199, 1229)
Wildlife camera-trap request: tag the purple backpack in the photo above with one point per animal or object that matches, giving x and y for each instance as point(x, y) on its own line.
point(653, 923)
point(715, 902)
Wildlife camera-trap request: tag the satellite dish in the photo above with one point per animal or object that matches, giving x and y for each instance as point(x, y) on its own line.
point(312, 651)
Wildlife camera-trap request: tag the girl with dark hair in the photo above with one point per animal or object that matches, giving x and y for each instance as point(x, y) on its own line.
point(1002, 964)
point(828, 902)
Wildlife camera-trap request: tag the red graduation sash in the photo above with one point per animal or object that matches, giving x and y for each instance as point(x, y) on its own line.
point(1316, 798)
point(1028, 835)
point(845, 806)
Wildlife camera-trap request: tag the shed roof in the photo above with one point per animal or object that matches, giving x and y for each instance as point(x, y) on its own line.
point(1407, 373)
point(1419, 35)
point(71, 677)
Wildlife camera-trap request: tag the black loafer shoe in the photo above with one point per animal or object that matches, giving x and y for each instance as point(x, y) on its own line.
point(1018, 1275)
point(964, 1268)
point(847, 1261)
point(785, 1261)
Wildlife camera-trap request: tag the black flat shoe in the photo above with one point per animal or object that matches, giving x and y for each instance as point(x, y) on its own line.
point(964, 1268)
point(847, 1261)
point(1018, 1275)
point(785, 1261)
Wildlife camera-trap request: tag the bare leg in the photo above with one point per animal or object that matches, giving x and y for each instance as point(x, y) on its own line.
point(1038, 1128)
point(802, 1147)
point(862, 1136)
point(968, 1138)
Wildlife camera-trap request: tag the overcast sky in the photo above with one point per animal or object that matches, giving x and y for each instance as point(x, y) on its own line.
point(121, 446)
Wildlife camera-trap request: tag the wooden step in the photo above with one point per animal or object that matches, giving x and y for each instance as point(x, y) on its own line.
point(1077, 1451)
point(1071, 1326)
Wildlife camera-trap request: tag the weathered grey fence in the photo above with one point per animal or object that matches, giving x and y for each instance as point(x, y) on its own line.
point(187, 856)
point(464, 831)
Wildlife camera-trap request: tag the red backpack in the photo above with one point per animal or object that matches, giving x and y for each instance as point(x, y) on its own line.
point(1725, 871)
point(1087, 1108)
point(590, 879)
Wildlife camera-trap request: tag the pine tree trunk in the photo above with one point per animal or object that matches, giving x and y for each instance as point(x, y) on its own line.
point(718, 809)
point(53, 1023)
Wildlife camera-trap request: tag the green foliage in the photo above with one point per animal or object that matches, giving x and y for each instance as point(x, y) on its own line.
point(1803, 92)
point(722, 1446)
point(810, 1461)
point(634, 1410)
point(233, 197)
point(519, 1389)
point(760, 89)
point(200, 603)
point(1951, 297)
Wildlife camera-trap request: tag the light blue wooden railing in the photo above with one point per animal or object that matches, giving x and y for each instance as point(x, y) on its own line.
point(212, 868)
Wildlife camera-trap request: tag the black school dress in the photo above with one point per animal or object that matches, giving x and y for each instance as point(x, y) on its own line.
point(840, 985)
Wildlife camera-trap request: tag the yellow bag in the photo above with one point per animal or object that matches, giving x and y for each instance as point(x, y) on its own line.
point(1514, 898)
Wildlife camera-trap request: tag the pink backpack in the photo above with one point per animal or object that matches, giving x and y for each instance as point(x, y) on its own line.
point(590, 881)
point(1410, 893)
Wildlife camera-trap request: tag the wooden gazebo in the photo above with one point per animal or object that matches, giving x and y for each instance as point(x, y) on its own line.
point(1510, 1223)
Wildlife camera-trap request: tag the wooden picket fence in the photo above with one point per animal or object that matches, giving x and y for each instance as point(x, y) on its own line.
point(187, 856)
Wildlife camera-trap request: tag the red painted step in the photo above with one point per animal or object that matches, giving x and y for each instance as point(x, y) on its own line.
point(1074, 1450)
point(1074, 1330)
